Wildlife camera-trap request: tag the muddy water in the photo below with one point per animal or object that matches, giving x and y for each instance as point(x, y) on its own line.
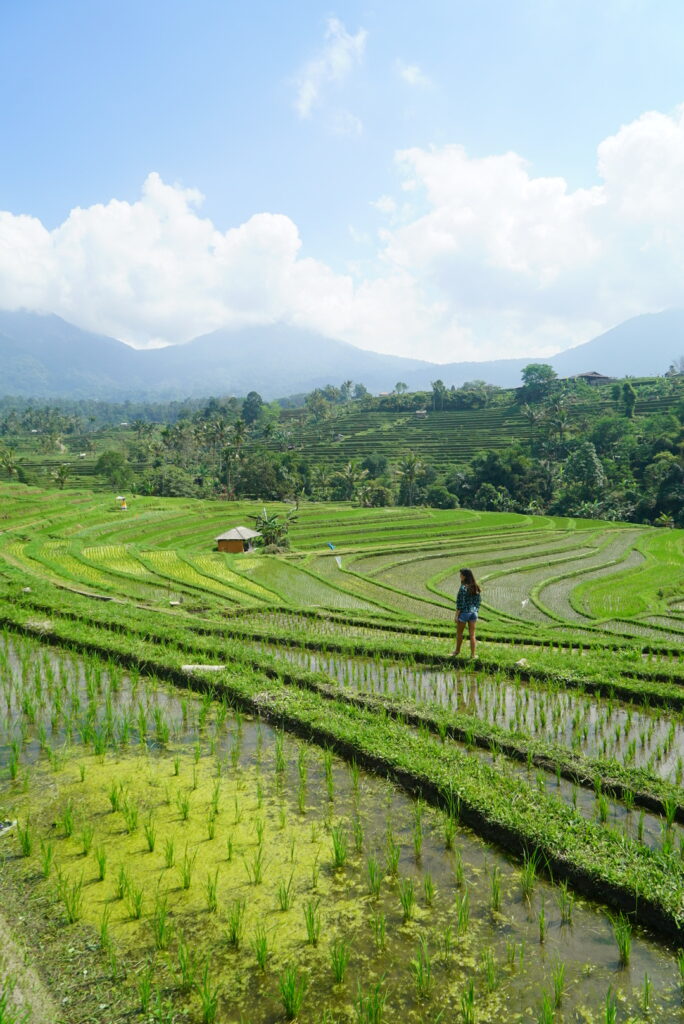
point(299, 795)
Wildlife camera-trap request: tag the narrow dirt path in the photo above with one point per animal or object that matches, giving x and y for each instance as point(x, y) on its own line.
point(28, 996)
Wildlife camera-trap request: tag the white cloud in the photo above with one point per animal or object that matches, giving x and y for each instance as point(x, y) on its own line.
point(385, 204)
point(342, 122)
point(341, 52)
point(488, 260)
point(412, 74)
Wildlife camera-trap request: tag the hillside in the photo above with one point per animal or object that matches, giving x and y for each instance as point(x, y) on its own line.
point(46, 357)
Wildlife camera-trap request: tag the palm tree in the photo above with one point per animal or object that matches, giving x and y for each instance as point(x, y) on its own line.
point(410, 469)
point(273, 527)
point(9, 461)
point(61, 474)
point(350, 476)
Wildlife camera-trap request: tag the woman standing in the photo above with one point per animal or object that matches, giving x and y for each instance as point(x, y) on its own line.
point(467, 606)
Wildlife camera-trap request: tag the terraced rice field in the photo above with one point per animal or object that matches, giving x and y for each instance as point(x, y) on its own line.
point(260, 788)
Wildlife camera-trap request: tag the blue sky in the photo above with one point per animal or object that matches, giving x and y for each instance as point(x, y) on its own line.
point(290, 120)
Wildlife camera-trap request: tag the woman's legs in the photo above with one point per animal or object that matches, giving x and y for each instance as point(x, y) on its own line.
point(471, 631)
point(459, 635)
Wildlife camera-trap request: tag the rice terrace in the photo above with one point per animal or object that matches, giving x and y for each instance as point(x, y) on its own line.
point(258, 787)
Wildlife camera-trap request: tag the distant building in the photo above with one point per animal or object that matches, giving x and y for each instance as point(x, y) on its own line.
point(421, 414)
point(592, 377)
point(237, 540)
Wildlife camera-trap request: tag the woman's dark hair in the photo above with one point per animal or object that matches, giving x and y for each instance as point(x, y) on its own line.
point(470, 581)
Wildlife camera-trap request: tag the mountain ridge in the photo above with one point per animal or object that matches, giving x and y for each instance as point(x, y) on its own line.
point(43, 356)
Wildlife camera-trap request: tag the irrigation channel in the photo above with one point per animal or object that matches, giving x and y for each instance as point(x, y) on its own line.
point(176, 860)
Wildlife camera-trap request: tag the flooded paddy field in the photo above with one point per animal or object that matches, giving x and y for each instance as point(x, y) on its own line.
point(640, 736)
point(179, 861)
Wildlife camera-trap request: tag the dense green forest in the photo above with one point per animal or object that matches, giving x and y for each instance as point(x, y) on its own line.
point(561, 447)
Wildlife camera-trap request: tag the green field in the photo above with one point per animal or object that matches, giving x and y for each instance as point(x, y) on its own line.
point(259, 787)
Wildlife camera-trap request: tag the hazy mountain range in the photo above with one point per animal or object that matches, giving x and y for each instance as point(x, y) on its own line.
point(46, 357)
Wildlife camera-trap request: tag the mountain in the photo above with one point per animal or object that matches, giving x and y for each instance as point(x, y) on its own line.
point(643, 346)
point(275, 361)
point(46, 357)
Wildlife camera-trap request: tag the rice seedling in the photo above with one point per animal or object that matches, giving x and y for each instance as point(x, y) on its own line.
point(236, 916)
point(176, 765)
point(468, 1002)
point(450, 829)
point(312, 920)
point(622, 932)
point(135, 900)
point(339, 959)
point(373, 876)
point(406, 898)
point(293, 987)
point(71, 894)
point(462, 912)
point(87, 835)
point(47, 857)
point(169, 852)
point(105, 938)
point(421, 966)
point(255, 867)
point(528, 875)
point(369, 1007)
point(25, 837)
point(229, 847)
point(392, 854)
point(210, 888)
point(208, 995)
point(130, 814)
point(491, 976)
point(115, 797)
point(186, 868)
point(378, 923)
point(541, 920)
point(495, 883)
point(566, 902)
point(429, 888)
point(358, 832)
point(211, 827)
point(260, 946)
point(161, 928)
point(546, 1014)
point(458, 869)
point(284, 893)
point(610, 1008)
point(183, 805)
point(122, 883)
point(558, 984)
point(646, 994)
point(67, 819)
point(150, 835)
point(187, 965)
point(339, 847)
point(144, 986)
point(279, 752)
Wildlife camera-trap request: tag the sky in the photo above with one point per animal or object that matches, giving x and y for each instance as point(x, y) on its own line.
point(450, 180)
